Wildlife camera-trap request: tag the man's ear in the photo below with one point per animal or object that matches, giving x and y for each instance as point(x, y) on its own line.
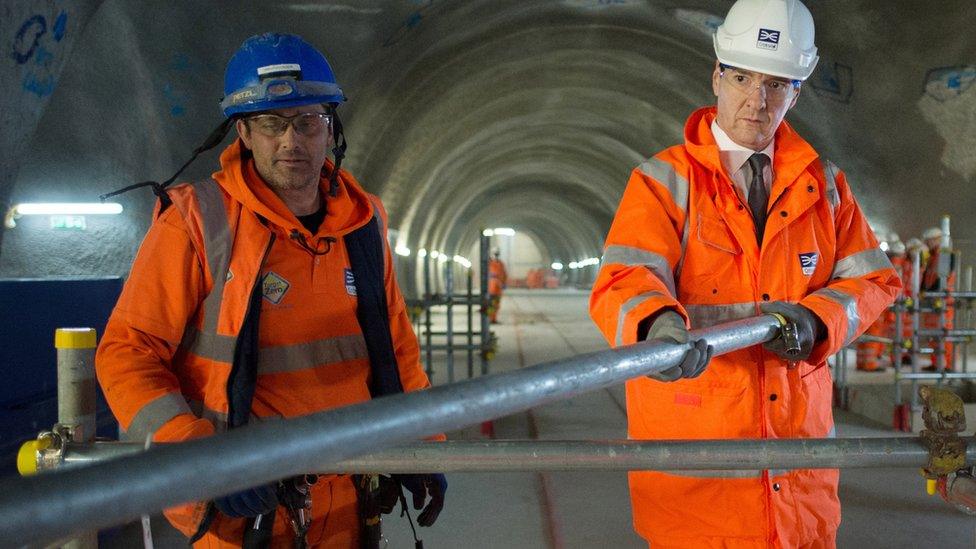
point(716, 78)
point(244, 132)
point(796, 96)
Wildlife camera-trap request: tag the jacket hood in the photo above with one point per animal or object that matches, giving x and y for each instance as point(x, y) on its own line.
point(791, 154)
point(349, 210)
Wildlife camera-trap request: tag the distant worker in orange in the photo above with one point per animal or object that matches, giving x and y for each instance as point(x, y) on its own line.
point(931, 282)
point(742, 218)
point(497, 282)
point(871, 354)
point(262, 293)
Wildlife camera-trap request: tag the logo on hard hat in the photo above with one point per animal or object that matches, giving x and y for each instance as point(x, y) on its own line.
point(808, 263)
point(768, 39)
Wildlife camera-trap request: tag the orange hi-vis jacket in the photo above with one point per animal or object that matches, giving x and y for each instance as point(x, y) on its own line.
point(166, 355)
point(683, 240)
point(497, 277)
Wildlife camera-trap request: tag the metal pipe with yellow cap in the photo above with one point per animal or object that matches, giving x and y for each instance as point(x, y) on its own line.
point(76, 398)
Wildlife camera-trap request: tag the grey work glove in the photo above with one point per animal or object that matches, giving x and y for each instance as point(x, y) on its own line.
point(809, 329)
point(669, 326)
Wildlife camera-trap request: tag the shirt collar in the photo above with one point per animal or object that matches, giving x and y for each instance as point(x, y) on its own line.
point(733, 155)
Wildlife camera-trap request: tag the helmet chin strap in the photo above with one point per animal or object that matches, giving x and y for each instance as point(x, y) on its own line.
point(159, 189)
point(338, 152)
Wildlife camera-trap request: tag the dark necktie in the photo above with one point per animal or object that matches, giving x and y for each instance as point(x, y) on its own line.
point(758, 196)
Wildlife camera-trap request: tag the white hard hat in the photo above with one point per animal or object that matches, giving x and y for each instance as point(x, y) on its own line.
point(774, 37)
point(897, 247)
point(932, 232)
point(914, 244)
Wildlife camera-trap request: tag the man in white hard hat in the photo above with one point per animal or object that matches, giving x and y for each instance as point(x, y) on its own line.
point(744, 217)
point(933, 282)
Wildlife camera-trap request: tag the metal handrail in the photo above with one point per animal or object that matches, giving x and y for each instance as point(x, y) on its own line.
point(51, 506)
point(602, 455)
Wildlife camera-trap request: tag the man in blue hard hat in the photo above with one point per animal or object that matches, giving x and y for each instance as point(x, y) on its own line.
point(268, 292)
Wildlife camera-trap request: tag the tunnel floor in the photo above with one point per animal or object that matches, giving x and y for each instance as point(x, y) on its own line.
point(880, 507)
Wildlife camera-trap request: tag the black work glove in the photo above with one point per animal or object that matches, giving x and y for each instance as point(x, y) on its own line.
point(420, 485)
point(669, 326)
point(809, 329)
point(248, 503)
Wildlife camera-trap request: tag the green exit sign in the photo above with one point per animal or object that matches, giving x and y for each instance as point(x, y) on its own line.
point(68, 222)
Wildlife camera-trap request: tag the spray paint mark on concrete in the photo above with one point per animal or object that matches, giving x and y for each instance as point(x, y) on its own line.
point(946, 83)
point(28, 49)
point(28, 38)
point(707, 23)
point(834, 82)
point(176, 99)
point(412, 21)
point(949, 104)
point(60, 26)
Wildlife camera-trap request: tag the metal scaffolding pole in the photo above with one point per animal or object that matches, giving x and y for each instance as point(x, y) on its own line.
point(429, 363)
point(50, 507)
point(605, 455)
point(449, 290)
point(470, 307)
point(483, 275)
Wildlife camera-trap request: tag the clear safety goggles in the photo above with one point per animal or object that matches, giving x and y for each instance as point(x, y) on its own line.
point(309, 124)
point(777, 89)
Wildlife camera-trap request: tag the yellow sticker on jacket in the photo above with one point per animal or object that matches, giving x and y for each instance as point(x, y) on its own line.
point(274, 287)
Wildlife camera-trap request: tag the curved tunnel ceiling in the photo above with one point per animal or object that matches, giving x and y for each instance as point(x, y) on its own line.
point(483, 113)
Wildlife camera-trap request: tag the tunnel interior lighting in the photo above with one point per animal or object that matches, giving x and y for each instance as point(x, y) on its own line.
point(434, 254)
point(463, 261)
point(68, 208)
point(573, 265)
point(884, 246)
point(422, 253)
point(557, 266)
point(504, 231)
point(402, 250)
point(60, 209)
point(488, 232)
point(588, 261)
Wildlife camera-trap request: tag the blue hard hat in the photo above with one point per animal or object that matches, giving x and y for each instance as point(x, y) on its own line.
point(277, 71)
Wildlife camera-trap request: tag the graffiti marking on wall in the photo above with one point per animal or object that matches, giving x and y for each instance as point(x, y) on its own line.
point(945, 83)
point(411, 22)
point(704, 21)
point(34, 48)
point(834, 82)
point(27, 38)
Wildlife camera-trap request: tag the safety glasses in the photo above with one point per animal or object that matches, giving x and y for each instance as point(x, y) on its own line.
point(308, 124)
point(777, 89)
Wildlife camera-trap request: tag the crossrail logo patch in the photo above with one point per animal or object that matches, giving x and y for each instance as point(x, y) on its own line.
point(768, 39)
point(274, 287)
point(350, 281)
point(808, 263)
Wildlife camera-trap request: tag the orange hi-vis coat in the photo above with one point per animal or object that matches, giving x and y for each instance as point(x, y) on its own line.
point(166, 354)
point(683, 240)
point(497, 277)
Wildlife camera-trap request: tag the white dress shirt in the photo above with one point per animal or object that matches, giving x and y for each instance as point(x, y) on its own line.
point(735, 160)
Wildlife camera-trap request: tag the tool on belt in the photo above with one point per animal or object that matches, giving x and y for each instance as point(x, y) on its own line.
point(377, 496)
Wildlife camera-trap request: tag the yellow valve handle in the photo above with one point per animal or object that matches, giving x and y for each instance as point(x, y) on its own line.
point(930, 484)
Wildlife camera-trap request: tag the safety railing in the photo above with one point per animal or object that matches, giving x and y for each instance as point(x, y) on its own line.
point(52, 506)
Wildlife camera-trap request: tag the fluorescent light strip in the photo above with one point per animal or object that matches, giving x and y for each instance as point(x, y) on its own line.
point(66, 208)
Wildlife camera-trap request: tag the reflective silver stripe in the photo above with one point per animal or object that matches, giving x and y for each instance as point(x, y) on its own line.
point(154, 414)
point(217, 242)
point(665, 174)
point(850, 309)
point(718, 473)
point(830, 174)
point(703, 316)
point(218, 419)
point(629, 306)
point(684, 246)
point(303, 356)
point(832, 433)
point(379, 218)
point(779, 472)
point(209, 345)
point(861, 263)
point(629, 255)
